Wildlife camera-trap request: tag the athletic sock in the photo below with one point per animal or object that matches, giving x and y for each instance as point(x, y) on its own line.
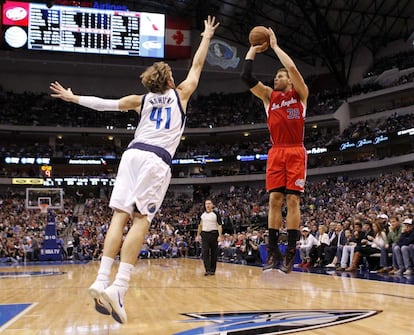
point(273, 238)
point(105, 269)
point(292, 235)
point(124, 274)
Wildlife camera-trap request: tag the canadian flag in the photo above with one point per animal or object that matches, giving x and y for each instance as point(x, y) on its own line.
point(177, 38)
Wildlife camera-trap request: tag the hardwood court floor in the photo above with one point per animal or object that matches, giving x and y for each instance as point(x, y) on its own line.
point(163, 290)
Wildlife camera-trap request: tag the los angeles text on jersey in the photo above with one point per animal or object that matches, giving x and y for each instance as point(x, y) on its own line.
point(284, 103)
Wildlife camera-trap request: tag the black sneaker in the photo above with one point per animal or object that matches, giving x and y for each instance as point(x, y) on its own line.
point(287, 265)
point(272, 260)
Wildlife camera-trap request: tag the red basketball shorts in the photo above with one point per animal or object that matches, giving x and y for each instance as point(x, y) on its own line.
point(286, 167)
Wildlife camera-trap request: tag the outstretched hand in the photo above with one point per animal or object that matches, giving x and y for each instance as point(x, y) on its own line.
point(210, 26)
point(61, 92)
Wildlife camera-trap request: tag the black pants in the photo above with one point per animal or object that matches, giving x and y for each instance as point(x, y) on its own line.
point(330, 252)
point(209, 246)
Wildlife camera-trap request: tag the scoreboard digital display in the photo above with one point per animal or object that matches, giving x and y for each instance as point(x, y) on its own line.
point(35, 26)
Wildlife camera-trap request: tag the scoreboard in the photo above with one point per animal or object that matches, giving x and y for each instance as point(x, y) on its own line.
point(35, 26)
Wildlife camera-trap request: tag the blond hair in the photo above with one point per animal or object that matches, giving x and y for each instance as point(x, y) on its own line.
point(157, 78)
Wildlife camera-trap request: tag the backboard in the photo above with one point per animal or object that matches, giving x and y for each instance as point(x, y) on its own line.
point(53, 197)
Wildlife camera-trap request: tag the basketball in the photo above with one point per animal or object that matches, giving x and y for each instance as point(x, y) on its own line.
point(259, 35)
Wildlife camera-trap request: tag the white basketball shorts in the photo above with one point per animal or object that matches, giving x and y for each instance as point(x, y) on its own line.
point(142, 181)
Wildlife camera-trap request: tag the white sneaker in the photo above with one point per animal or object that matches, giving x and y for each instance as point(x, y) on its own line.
point(95, 291)
point(331, 265)
point(114, 295)
point(408, 272)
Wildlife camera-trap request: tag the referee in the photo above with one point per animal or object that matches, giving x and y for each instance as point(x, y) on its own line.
point(210, 230)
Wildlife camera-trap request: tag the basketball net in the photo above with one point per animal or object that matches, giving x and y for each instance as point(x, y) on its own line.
point(43, 208)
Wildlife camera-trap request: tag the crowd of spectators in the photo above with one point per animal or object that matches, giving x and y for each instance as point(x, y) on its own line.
point(243, 209)
point(231, 148)
point(314, 138)
point(371, 128)
point(22, 230)
point(400, 60)
point(214, 110)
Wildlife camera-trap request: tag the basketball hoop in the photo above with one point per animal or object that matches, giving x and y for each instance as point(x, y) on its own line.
point(43, 208)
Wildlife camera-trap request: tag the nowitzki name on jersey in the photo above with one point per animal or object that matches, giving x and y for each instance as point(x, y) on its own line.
point(163, 99)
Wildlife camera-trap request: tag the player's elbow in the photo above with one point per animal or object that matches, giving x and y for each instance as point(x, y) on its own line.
point(248, 79)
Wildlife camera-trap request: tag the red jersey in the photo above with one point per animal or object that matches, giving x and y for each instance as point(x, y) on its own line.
point(286, 118)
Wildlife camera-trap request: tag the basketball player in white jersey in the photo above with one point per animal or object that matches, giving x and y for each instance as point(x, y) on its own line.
point(144, 172)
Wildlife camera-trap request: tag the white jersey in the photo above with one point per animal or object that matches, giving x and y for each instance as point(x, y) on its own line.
point(162, 121)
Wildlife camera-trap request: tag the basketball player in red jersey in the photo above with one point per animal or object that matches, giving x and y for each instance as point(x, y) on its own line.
point(285, 106)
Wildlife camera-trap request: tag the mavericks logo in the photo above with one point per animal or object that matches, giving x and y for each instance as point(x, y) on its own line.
point(271, 322)
point(151, 208)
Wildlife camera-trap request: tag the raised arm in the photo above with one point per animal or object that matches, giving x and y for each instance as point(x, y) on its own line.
point(189, 85)
point(124, 104)
point(289, 64)
point(256, 87)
